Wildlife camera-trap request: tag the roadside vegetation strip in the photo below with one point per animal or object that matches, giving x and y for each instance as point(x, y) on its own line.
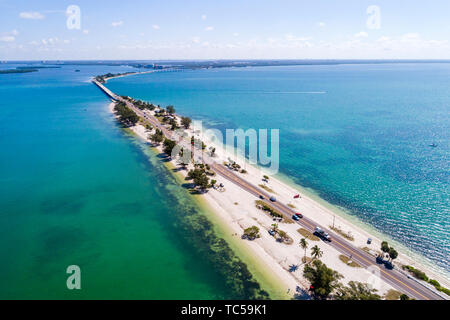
point(346, 260)
point(267, 188)
point(268, 208)
point(343, 234)
point(392, 295)
point(308, 235)
point(419, 274)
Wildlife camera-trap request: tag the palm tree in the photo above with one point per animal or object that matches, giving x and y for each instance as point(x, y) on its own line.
point(316, 252)
point(304, 245)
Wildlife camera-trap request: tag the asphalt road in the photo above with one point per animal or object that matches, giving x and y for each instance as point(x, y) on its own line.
point(394, 277)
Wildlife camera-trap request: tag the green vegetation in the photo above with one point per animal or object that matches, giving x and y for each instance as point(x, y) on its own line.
point(356, 291)
point(284, 237)
point(170, 109)
point(186, 122)
point(393, 295)
point(323, 279)
point(157, 137)
point(422, 276)
point(199, 177)
point(126, 116)
point(143, 105)
point(346, 259)
point(104, 77)
point(338, 230)
point(168, 146)
point(316, 253)
point(273, 212)
point(290, 205)
point(308, 235)
point(251, 233)
point(389, 251)
point(267, 188)
point(304, 245)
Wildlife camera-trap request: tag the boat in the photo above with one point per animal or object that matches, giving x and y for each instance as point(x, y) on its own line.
point(433, 145)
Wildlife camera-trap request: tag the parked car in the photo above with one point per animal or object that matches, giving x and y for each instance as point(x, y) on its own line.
point(295, 217)
point(273, 199)
point(298, 214)
point(271, 232)
point(261, 197)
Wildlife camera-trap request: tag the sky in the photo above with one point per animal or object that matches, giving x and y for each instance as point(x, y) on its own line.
point(219, 29)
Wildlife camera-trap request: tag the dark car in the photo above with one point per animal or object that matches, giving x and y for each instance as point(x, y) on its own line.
point(261, 197)
point(273, 199)
point(295, 217)
point(322, 234)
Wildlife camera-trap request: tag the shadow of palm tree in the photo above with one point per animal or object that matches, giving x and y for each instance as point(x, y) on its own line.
point(293, 267)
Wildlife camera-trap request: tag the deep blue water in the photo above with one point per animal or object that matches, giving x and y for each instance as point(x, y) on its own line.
point(358, 135)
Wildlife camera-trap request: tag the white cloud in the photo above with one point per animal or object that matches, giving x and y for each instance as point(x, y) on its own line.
point(210, 28)
point(31, 15)
point(196, 39)
point(85, 31)
point(384, 39)
point(204, 17)
point(235, 34)
point(361, 34)
point(7, 38)
point(321, 24)
point(410, 37)
point(117, 23)
point(156, 27)
point(291, 37)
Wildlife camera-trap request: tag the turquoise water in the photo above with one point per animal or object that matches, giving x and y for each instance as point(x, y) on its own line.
point(358, 135)
point(77, 189)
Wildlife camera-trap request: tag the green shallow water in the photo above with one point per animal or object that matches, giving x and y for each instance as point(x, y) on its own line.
point(77, 189)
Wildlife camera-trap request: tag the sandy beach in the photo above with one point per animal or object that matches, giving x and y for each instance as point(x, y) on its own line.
point(235, 210)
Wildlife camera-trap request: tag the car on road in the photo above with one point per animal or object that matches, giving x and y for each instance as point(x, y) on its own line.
point(322, 234)
point(271, 232)
point(298, 214)
point(261, 197)
point(295, 217)
point(273, 199)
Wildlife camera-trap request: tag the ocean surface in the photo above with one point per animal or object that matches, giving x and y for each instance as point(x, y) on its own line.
point(357, 135)
point(76, 189)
